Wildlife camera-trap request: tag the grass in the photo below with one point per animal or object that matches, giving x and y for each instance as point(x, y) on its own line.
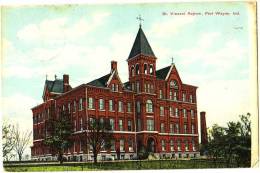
point(117, 165)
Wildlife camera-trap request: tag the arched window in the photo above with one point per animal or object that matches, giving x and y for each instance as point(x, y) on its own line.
point(145, 68)
point(137, 69)
point(132, 71)
point(151, 69)
point(149, 106)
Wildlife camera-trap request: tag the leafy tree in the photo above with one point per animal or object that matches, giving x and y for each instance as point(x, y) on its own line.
point(7, 140)
point(98, 135)
point(21, 140)
point(60, 138)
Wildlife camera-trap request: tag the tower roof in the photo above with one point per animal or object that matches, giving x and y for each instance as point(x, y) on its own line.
point(141, 45)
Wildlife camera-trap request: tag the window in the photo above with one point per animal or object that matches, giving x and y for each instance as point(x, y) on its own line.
point(191, 99)
point(145, 68)
point(176, 112)
point(192, 114)
point(138, 124)
point(170, 95)
point(175, 96)
point(81, 124)
point(130, 145)
point(170, 111)
point(129, 125)
point(74, 107)
point(145, 87)
point(192, 129)
point(121, 128)
point(151, 69)
point(137, 69)
point(113, 87)
point(184, 113)
point(133, 86)
point(75, 125)
point(120, 106)
point(111, 105)
point(137, 87)
point(101, 104)
point(186, 145)
point(138, 107)
point(162, 128)
point(101, 120)
point(132, 70)
point(185, 129)
point(150, 125)
point(171, 128)
point(80, 104)
point(122, 145)
point(193, 146)
point(163, 145)
point(63, 108)
point(151, 89)
point(128, 107)
point(161, 110)
point(171, 145)
point(90, 103)
point(149, 106)
point(148, 88)
point(179, 145)
point(177, 129)
point(183, 97)
point(113, 145)
point(160, 94)
point(68, 108)
point(112, 123)
point(116, 87)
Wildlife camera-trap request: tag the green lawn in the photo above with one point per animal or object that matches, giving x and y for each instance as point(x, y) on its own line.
point(117, 165)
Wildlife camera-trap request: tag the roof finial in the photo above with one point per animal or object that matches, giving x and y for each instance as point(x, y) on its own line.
point(172, 61)
point(140, 20)
point(55, 76)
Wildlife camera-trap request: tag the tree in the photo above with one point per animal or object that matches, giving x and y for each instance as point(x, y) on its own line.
point(21, 140)
point(7, 140)
point(60, 137)
point(98, 135)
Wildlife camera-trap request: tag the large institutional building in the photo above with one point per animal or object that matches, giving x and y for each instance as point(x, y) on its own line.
point(154, 109)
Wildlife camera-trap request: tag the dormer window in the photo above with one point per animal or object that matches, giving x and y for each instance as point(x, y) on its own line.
point(113, 87)
point(174, 84)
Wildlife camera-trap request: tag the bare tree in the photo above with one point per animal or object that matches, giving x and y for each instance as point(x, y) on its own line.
point(98, 135)
point(7, 140)
point(21, 140)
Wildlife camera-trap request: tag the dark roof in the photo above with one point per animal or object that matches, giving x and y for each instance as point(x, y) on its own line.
point(100, 82)
point(54, 86)
point(141, 45)
point(162, 73)
point(127, 85)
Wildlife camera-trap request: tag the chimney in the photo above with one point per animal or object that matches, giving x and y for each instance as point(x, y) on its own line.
point(65, 83)
point(113, 65)
point(203, 128)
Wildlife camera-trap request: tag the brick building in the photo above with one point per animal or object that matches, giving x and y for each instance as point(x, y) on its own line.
point(154, 109)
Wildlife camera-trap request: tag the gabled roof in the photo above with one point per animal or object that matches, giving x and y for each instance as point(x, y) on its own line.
point(141, 45)
point(162, 73)
point(100, 82)
point(55, 86)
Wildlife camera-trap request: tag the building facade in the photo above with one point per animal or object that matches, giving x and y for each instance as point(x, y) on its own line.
point(154, 110)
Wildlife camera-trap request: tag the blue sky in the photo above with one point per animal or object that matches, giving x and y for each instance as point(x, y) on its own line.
point(211, 52)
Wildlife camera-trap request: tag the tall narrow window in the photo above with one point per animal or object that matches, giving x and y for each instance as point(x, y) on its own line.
point(80, 104)
point(152, 90)
point(129, 107)
point(116, 87)
point(75, 125)
point(184, 113)
point(81, 124)
point(192, 128)
point(138, 107)
point(145, 68)
point(139, 124)
point(113, 145)
point(171, 128)
point(149, 106)
point(151, 69)
point(130, 145)
point(68, 108)
point(161, 110)
point(132, 70)
point(162, 128)
point(179, 145)
point(171, 145)
point(177, 129)
point(120, 106)
point(121, 128)
point(191, 99)
point(160, 94)
point(148, 88)
point(193, 146)
point(137, 87)
point(150, 125)
point(163, 145)
point(122, 145)
point(129, 125)
point(137, 69)
point(192, 114)
point(170, 95)
point(111, 105)
point(176, 112)
point(187, 145)
point(184, 97)
point(113, 87)
point(133, 86)
point(74, 106)
point(145, 87)
point(185, 129)
point(112, 123)
point(175, 96)
point(90, 103)
point(171, 111)
point(101, 104)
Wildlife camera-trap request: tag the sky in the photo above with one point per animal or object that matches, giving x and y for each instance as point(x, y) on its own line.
point(213, 52)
